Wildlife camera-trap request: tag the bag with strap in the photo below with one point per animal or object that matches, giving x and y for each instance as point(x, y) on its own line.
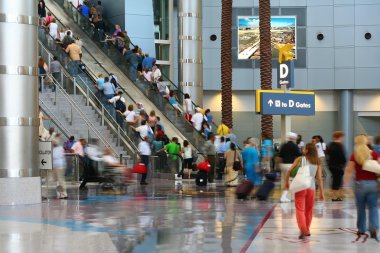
point(372, 166)
point(150, 134)
point(120, 105)
point(303, 180)
point(237, 164)
point(294, 171)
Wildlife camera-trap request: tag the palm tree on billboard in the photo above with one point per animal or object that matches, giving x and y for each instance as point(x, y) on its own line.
point(265, 61)
point(226, 62)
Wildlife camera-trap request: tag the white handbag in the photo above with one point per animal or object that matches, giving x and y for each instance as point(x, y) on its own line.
point(302, 180)
point(372, 166)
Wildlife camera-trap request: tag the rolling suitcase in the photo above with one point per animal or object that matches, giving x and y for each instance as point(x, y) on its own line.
point(201, 178)
point(244, 189)
point(265, 190)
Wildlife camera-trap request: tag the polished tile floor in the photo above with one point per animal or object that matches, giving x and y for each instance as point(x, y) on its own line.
point(165, 217)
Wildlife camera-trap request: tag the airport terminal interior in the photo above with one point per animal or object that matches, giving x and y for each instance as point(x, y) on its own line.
point(189, 126)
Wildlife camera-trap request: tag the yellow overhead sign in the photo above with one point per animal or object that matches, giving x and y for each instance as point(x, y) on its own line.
point(258, 96)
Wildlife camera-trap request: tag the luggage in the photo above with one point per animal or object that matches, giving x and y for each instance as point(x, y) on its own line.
point(204, 166)
point(140, 168)
point(265, 190)
point(244, 189)
point(201, 178)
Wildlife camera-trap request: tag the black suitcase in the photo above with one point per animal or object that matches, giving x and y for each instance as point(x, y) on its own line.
point(265, 190)
point(201, 178)
point(244, 189)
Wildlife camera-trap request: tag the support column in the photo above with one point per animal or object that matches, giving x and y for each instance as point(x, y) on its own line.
point(347, 118)
point(19, 175)
point(190, 48)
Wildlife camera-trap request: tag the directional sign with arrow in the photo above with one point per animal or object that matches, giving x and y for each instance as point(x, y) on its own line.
point(45, 155)
point(270, 103)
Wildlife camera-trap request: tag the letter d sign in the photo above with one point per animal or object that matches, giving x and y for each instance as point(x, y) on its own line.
point(285, 74)
point(284, 71)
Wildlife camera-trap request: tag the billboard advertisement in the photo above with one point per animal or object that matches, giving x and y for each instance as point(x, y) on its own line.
point(283, 30)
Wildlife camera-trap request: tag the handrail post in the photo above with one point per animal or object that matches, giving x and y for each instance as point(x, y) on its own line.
point(71, 115)
point(77, 167)
point(102, 115)
point(74, 86)
point(118, 136)
point(88, 96)
point(42, 83)
point(55, 95)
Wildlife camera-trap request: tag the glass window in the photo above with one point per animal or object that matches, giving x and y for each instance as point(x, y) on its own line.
point(161, 19)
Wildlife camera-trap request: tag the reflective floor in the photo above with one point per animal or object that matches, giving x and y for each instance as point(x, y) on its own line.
point(164, 217)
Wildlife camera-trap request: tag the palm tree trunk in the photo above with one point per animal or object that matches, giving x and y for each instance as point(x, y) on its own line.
point(265, 61)
point(226, 63)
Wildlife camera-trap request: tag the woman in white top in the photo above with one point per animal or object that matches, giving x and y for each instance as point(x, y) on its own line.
point(187, 152)
point(53, 29)
point(187, 105)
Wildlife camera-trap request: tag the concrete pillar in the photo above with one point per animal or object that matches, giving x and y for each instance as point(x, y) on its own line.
point(347, 118)
point(19, 175)
point(190, 48)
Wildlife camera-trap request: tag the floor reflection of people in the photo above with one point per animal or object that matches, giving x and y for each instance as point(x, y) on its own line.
point(229, 220)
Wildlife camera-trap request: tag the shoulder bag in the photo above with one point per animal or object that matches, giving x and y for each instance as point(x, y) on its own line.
point(372, 166)
point(237, 164)
point(303, 180)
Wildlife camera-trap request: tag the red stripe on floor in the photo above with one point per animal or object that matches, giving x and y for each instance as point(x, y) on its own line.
point(257, 230)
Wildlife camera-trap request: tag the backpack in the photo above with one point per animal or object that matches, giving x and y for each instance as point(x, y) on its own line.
point(165, 139)
point(120, 105)
point(113, 81)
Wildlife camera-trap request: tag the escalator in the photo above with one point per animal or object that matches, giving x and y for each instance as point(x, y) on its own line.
point(113, 61)
point(77, 104)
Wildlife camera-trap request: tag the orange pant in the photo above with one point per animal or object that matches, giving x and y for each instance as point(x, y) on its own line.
point(304, 201)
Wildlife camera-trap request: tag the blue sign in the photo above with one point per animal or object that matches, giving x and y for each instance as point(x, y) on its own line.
point(287, 104)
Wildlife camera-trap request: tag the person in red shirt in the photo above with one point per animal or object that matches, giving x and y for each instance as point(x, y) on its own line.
point(366, 192)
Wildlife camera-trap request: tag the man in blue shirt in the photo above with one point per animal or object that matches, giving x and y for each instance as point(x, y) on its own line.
point(148, 62)
point(85, 10)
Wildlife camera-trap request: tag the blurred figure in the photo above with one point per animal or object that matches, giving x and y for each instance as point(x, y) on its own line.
point(42, 131)
point(52, 134)
point(366, 191)
point(232, 176)
point(59, 165)
point(300, 143)
point(42, 72)
point(376, 146)
point(266, 152)
point(145, 152)
point(222, 129)
point(337, 162)
point(321, 148)
point(288, 153)
point(69, 159)
point(209, 150)
point(251, 161)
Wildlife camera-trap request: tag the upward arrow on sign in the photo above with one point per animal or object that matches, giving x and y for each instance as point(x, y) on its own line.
point(270, 103)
